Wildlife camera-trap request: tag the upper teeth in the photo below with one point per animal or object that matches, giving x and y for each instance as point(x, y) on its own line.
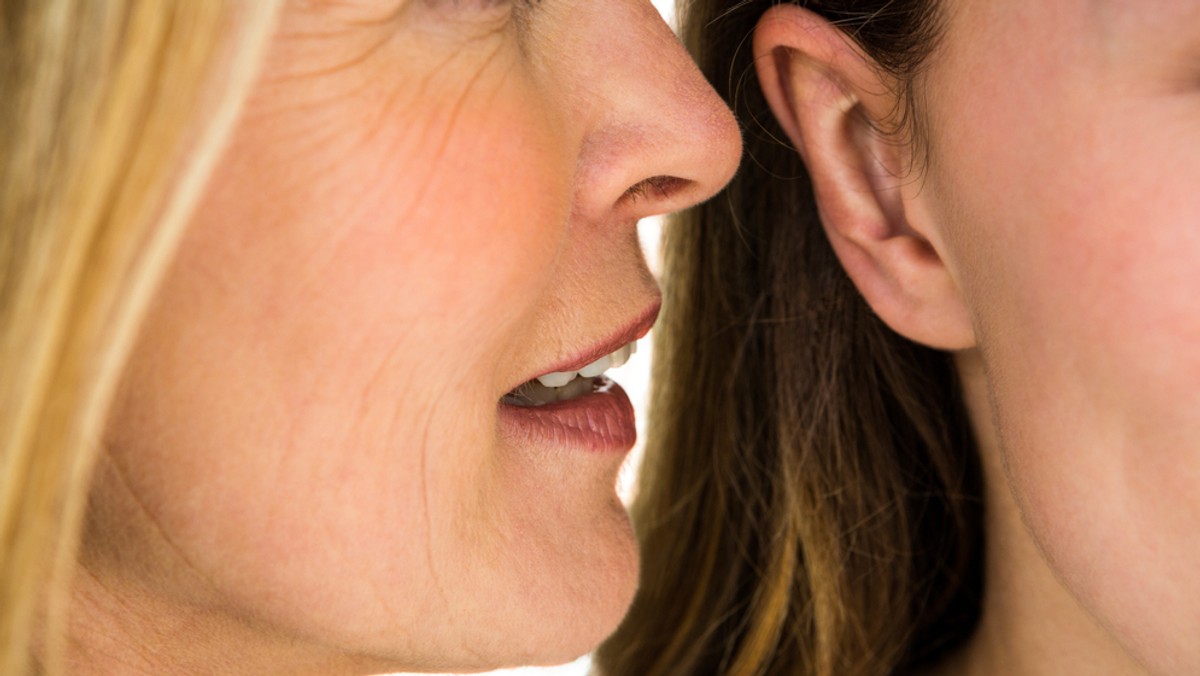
point(608, 361)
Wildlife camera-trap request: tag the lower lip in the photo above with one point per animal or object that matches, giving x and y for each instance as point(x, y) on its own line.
point(601, 422)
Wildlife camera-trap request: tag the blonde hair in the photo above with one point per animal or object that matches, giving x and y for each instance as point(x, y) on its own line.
point(115, 112)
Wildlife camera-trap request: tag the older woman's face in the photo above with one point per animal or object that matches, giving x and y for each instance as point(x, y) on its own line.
point(1066, 155)
point(425, 206)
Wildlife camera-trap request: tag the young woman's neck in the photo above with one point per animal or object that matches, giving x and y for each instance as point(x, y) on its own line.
point(1030, 624)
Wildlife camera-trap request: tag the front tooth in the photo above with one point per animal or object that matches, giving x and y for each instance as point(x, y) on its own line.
point(556, 379)
point(621, 356)
point(597, 367)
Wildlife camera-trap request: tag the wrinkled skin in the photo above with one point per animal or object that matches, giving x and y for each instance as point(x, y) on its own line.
point(423, 205)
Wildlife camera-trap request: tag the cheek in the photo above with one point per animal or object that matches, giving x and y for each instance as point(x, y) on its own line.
point(334, 335)
point(1075, 237)
point(1078, 265)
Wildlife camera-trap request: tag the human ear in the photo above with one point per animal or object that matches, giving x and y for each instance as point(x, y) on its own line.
point(834, 102)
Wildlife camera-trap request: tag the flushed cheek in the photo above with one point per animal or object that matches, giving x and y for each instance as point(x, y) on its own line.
point(422, 242)
point(452, 187)
point(454, 217)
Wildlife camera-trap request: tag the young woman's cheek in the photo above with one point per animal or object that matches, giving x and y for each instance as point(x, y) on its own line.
point(1103, 447)
point(1070, 184)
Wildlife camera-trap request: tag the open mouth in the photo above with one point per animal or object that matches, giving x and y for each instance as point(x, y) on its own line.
point(568, 385)
point(576, 406)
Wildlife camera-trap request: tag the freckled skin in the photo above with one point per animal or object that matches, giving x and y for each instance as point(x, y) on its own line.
point(419, 209)
point(1064, 168)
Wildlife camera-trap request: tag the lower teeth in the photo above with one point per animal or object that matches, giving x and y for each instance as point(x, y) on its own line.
point(534, 393)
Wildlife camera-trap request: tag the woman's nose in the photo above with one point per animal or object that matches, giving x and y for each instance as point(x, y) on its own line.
point(657, 138)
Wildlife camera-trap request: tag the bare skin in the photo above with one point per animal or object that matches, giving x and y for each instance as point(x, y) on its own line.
point(425, 204)
point(1049, 239)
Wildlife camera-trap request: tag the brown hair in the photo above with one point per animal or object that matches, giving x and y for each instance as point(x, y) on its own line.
point(810, 500)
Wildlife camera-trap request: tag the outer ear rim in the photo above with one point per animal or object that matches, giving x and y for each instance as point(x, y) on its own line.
point(849, 72)
point(773, 45)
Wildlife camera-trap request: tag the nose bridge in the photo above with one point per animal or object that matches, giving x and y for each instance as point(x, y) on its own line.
point(649, 114)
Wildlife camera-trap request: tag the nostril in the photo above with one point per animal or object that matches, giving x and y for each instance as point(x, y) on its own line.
point(656, 188)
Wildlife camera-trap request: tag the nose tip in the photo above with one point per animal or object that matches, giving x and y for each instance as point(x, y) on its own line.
point(699, 146)
point(667, 141)
point(706, 151)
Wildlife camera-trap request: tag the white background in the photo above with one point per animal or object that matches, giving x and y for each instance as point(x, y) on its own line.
point(635, 378)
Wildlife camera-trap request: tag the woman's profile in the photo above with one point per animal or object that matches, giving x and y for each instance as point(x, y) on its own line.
point(304, 313)
point(929, 392)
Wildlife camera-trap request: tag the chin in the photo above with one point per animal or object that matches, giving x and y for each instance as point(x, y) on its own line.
point(608, 612)
point(584, 605)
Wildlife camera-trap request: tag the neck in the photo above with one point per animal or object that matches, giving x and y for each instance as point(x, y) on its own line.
point(1030, 624)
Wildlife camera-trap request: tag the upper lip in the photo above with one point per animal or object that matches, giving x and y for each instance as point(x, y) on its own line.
point(634, 330)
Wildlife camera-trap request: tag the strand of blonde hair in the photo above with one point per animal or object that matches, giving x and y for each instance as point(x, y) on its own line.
point(118, 111)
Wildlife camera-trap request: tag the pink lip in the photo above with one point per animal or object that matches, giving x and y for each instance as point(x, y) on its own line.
point(635, 330)
point(600, 422)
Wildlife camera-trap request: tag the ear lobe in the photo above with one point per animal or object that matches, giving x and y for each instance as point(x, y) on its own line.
point(831, 100)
